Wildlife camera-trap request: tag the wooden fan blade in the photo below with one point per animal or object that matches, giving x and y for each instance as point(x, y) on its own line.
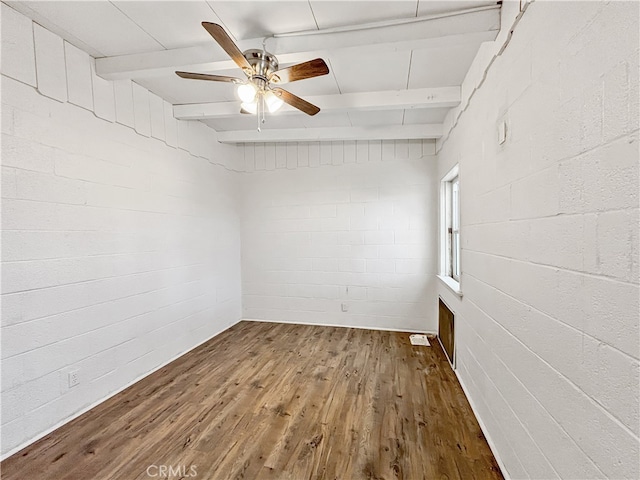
point(310, 69)
point(224, 40)
point(296, 101)
point(213, 78)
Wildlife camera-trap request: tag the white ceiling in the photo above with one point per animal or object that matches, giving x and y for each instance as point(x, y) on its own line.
point(148, 40)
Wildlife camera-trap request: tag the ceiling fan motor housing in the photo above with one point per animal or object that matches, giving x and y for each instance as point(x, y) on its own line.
point(263, 64)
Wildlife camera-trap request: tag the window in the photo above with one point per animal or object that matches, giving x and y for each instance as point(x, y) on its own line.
point(454, 231)
point(450, 230)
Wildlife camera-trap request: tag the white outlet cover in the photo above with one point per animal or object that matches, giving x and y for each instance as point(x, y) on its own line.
point(73, 378)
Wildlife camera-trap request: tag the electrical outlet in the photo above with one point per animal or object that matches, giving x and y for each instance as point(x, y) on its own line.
point(74, 378)
point(345, 307)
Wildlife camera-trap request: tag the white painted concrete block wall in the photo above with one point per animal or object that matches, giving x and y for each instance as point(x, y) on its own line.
point(340, 222)
point(119, 251)
point(547, 331)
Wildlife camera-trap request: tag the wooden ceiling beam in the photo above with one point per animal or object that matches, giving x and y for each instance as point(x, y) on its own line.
point(326, 134)
point(442, 97)
point(472, 27)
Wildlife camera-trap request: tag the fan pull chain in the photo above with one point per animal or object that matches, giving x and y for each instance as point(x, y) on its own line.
point(261, 101)
point(259, 111)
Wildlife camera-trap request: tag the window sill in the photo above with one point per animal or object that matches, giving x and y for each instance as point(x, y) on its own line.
point(451, 284)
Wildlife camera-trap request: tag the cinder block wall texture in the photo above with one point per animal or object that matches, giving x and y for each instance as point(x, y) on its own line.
point(341, 225)
point(547, 329)
point(120, 232)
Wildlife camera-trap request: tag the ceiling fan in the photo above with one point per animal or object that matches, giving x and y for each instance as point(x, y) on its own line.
point(260, 91)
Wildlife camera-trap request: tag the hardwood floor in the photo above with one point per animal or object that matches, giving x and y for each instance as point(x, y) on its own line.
point(276, 401)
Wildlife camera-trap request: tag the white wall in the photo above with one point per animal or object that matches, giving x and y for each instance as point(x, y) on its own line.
point(121, 232)
point(547, 331)
point(340, 222)
point(121, 237)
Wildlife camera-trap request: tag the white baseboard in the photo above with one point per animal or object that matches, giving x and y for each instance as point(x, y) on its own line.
point(485, 432)
point(427, 332)
point(113, 394)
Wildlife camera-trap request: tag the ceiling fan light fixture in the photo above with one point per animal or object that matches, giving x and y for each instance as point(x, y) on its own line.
point(261, 91)
point(273, 101)
point(251, 107)
point(247, 92)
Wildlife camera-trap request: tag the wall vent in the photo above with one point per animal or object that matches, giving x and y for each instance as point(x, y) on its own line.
point(445, 330)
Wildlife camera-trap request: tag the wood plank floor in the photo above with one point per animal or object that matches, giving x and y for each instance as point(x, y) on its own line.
point(275, 401)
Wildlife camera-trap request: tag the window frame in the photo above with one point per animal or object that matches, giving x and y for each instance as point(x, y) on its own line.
point(450, 245)
point(454, 230)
